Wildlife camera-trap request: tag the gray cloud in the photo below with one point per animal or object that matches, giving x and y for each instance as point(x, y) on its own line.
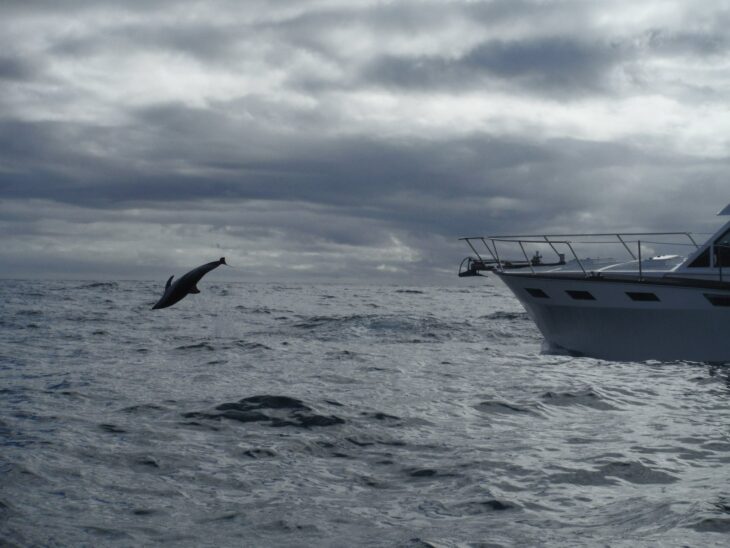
point(355, 139)
point(552, 65)
point(13, 68)
point(432, 185)
point(208, 42)
point(696, 44)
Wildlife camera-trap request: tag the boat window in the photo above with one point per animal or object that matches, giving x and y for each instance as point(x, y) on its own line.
point(718, 300)
point(537, 293)
point(722, 250)
point(702, 261)
point(581, 295)
point(641, 296)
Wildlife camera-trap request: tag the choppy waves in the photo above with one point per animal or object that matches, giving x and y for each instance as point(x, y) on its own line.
point(332, 416)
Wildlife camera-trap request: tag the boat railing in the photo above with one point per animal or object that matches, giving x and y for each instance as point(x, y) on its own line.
point(567, 242)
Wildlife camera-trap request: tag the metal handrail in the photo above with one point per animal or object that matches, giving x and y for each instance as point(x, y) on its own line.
point(589, 234)
point(522, 247)
point(495, 254)
point(619, 236)
point(546, 239)
point(549, 239)
point(580, 264)
point(500, 239)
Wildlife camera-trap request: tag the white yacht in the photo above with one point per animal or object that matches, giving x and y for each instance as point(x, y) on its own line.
point(661, 306)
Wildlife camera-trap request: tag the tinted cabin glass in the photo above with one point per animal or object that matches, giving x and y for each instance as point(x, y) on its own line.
point(702, 261)
point(537, 293)
point(722, 250)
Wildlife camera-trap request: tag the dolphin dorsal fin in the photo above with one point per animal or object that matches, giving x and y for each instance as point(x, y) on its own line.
point(169, 282)
point(194, 289)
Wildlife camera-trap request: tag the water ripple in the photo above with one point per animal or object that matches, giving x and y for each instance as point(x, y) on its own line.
point(341, 416)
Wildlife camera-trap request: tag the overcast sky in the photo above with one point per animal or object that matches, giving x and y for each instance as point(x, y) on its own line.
point(349, 139)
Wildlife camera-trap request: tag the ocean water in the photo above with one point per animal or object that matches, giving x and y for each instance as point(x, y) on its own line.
point(301, 415)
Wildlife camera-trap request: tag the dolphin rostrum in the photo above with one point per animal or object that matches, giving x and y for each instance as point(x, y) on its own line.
point(185, 285)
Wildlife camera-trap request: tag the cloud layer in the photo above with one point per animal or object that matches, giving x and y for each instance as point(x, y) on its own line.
point(331, 139)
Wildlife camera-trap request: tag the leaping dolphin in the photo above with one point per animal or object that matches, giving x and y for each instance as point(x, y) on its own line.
point(185, 285)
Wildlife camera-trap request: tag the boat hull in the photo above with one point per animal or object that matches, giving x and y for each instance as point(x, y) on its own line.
point(603, 319)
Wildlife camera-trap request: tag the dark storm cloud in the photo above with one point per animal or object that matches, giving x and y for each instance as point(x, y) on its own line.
point(22, 7)
point(552, 62)
point(65, 162)
point(695, 44)
point(325, 128)
point(434, 185)
point(211, 43)
point(543, 66)
point(423, 17)
point(14, 68)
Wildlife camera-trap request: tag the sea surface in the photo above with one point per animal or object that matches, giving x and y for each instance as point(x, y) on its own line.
point(335, 415)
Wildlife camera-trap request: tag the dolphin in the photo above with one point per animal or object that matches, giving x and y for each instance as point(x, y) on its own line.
point(185, 285)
